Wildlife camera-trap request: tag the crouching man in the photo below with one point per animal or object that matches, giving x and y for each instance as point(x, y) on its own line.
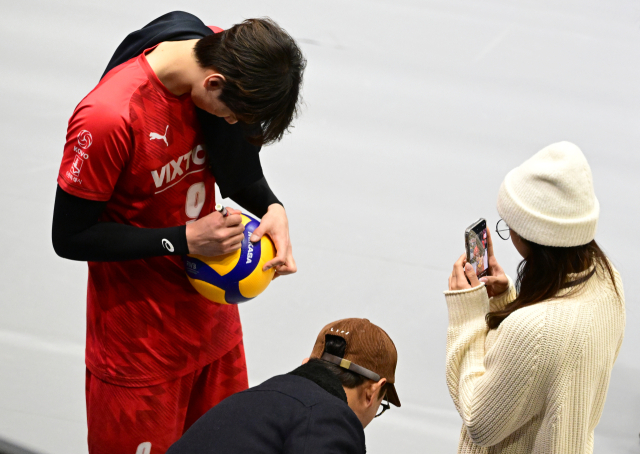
point(322, 406)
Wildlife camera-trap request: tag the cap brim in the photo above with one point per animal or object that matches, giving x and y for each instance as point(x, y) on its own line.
point(392, 395)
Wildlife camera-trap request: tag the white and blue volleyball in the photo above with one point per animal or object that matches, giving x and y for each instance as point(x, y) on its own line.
point(236, 277)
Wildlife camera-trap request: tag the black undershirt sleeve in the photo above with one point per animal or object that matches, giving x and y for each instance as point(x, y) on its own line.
point(256, 197)
point(235, 163)
point(78, 235)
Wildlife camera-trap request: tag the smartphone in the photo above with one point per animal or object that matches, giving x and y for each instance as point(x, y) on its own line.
point(475, 240)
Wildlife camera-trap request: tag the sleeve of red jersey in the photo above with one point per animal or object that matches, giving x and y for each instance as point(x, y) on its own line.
point(97, 149)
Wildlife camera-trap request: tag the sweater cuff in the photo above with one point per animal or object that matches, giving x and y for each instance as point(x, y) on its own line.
point(498, 302)
point(467, 305)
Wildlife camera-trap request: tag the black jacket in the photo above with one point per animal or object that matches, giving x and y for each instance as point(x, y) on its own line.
point(303, 412)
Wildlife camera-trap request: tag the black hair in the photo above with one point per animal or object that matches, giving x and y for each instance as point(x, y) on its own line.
point(336, 345)
point(263, 68)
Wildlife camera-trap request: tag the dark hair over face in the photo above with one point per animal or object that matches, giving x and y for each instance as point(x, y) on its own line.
point(545, 271)
point(263, 67)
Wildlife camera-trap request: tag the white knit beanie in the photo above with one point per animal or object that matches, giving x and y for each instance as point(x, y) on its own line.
point(549, 199)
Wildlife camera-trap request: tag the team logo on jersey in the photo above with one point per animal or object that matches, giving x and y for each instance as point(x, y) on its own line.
point(76, 167)
point(83, 143)
point(155, 135)
point(84, 139)
point(175, 170)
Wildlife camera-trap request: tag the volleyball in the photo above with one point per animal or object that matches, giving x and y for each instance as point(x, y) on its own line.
point(236, 277)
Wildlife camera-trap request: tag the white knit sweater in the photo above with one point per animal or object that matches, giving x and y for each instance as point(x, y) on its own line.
point(537, 383)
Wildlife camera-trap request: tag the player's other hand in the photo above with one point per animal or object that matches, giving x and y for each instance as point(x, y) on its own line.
point(215, 234)
point(275, 224)
point(496, 282)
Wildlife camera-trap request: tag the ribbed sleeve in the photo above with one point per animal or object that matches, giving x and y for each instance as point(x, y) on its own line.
point(499, 302)
point(492, 389)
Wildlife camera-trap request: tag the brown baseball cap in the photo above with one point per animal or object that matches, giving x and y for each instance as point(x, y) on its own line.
point(370, 351)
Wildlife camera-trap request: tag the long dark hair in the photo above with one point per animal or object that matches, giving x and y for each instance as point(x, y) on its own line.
point(544, 272)
point(263, 68)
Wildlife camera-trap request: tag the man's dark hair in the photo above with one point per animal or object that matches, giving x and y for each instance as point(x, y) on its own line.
point(263, 69)
point(336, 346)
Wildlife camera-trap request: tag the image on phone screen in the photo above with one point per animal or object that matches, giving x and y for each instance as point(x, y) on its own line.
point(477, 253)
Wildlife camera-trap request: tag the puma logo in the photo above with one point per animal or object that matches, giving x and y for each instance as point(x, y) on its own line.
point(155, 135)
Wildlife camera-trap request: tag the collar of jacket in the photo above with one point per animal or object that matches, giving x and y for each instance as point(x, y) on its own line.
point(322, 377)
point(173, 26)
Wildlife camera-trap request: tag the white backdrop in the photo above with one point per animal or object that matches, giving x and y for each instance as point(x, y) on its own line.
point(414, 112)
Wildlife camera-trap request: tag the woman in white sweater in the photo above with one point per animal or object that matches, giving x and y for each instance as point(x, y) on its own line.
point(528, 366)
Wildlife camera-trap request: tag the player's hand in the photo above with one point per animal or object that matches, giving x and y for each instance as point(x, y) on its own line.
point(275, 224)
point(215, 234)
point(497, 282)
point(463, 275)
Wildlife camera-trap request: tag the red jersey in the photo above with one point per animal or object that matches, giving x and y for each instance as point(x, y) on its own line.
point(135, 145)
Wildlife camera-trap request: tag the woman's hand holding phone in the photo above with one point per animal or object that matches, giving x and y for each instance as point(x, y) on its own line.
point(496, 282)
point(464, 277)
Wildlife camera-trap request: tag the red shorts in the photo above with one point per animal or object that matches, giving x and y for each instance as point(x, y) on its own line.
point(125, 420)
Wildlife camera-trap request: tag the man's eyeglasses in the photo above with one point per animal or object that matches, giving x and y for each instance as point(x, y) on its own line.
point(503, 229)
point(384, 406)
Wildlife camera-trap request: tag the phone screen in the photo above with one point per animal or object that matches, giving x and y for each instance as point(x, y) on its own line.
point(477, 253)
